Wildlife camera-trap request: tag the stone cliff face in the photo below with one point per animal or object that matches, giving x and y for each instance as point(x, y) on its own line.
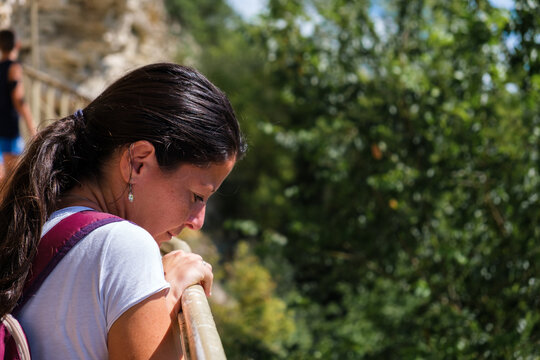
point(89, 43)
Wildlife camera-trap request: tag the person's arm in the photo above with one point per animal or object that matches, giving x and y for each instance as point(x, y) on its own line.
point(17, 97)
point(147, 330)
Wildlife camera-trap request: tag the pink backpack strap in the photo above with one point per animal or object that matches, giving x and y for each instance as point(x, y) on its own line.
point(57, 242)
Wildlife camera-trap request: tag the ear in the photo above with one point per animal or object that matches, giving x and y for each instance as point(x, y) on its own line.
point(136, 159)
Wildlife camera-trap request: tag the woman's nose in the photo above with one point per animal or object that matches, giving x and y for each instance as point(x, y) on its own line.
point(196, 218)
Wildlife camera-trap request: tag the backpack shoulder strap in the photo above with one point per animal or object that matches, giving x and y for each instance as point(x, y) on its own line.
point(57, 242)
point(13, 342)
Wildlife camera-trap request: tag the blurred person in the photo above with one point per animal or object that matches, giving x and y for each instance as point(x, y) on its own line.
point(151, 149)
point(12, 103)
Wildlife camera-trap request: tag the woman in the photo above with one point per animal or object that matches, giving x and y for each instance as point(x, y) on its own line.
point(152, 148)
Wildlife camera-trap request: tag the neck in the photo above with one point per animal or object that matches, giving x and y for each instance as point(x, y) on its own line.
point(68, 200)
point(108, 193)
point(89, 195)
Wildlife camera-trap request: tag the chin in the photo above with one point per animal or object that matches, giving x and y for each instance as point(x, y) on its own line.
point(160, 239)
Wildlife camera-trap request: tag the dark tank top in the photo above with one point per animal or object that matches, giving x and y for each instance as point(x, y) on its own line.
point(9, 118)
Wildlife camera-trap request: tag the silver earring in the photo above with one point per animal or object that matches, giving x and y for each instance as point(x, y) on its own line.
point(130, 193)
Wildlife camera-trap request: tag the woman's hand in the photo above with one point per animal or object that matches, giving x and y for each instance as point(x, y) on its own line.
point(184, 269)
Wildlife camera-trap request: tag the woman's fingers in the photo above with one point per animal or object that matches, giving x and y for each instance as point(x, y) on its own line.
point(208, 279)
point(185, 269)
point(207, 264)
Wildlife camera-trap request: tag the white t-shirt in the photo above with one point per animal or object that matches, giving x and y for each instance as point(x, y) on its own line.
point(113, 268)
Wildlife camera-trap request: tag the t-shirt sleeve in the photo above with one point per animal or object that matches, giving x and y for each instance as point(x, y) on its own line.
point(131, 269)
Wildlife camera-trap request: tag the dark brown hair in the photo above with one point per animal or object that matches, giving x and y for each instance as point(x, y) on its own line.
point(185, 117)
point(7, 40)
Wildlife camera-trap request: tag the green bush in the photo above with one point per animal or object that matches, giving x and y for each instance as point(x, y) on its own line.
point(392, 185)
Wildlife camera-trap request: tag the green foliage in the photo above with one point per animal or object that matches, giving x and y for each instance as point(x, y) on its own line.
point(257, 323)
point(205, 20)
point(392, 186)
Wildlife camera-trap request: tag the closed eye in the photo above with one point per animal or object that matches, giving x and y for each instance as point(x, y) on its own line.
point(198, 198)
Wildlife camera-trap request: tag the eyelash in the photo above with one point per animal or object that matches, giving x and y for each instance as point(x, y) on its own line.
point(198, 198)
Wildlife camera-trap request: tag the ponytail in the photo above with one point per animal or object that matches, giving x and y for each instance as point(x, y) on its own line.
point(28, 197)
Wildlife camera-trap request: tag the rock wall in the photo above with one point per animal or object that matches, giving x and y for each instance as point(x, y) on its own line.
point(89, 43)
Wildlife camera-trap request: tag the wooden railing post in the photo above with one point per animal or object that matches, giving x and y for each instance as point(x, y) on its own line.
point(34, 33)
point(35, 99)
point(197, 330)
point(196, 321)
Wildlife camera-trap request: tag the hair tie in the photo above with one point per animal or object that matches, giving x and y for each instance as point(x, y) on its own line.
point(79, 115)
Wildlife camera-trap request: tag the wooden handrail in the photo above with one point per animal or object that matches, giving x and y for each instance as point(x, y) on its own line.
point(200, 338)
point(49, 98)
point(197, 330)
point(53, 82)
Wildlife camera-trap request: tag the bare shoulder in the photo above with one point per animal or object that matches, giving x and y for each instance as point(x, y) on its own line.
point(15, 72)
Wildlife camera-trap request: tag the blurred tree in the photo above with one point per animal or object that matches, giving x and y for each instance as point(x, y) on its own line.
point(257, 321)
point(205, 20)
point(392, 188)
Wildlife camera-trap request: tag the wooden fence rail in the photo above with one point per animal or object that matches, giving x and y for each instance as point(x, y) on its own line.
point(196, 327)
point(49, 98)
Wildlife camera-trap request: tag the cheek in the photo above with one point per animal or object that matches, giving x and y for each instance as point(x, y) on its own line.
point(178, 209)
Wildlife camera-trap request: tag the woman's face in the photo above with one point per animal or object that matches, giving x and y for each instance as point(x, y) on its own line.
point(167, 202)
